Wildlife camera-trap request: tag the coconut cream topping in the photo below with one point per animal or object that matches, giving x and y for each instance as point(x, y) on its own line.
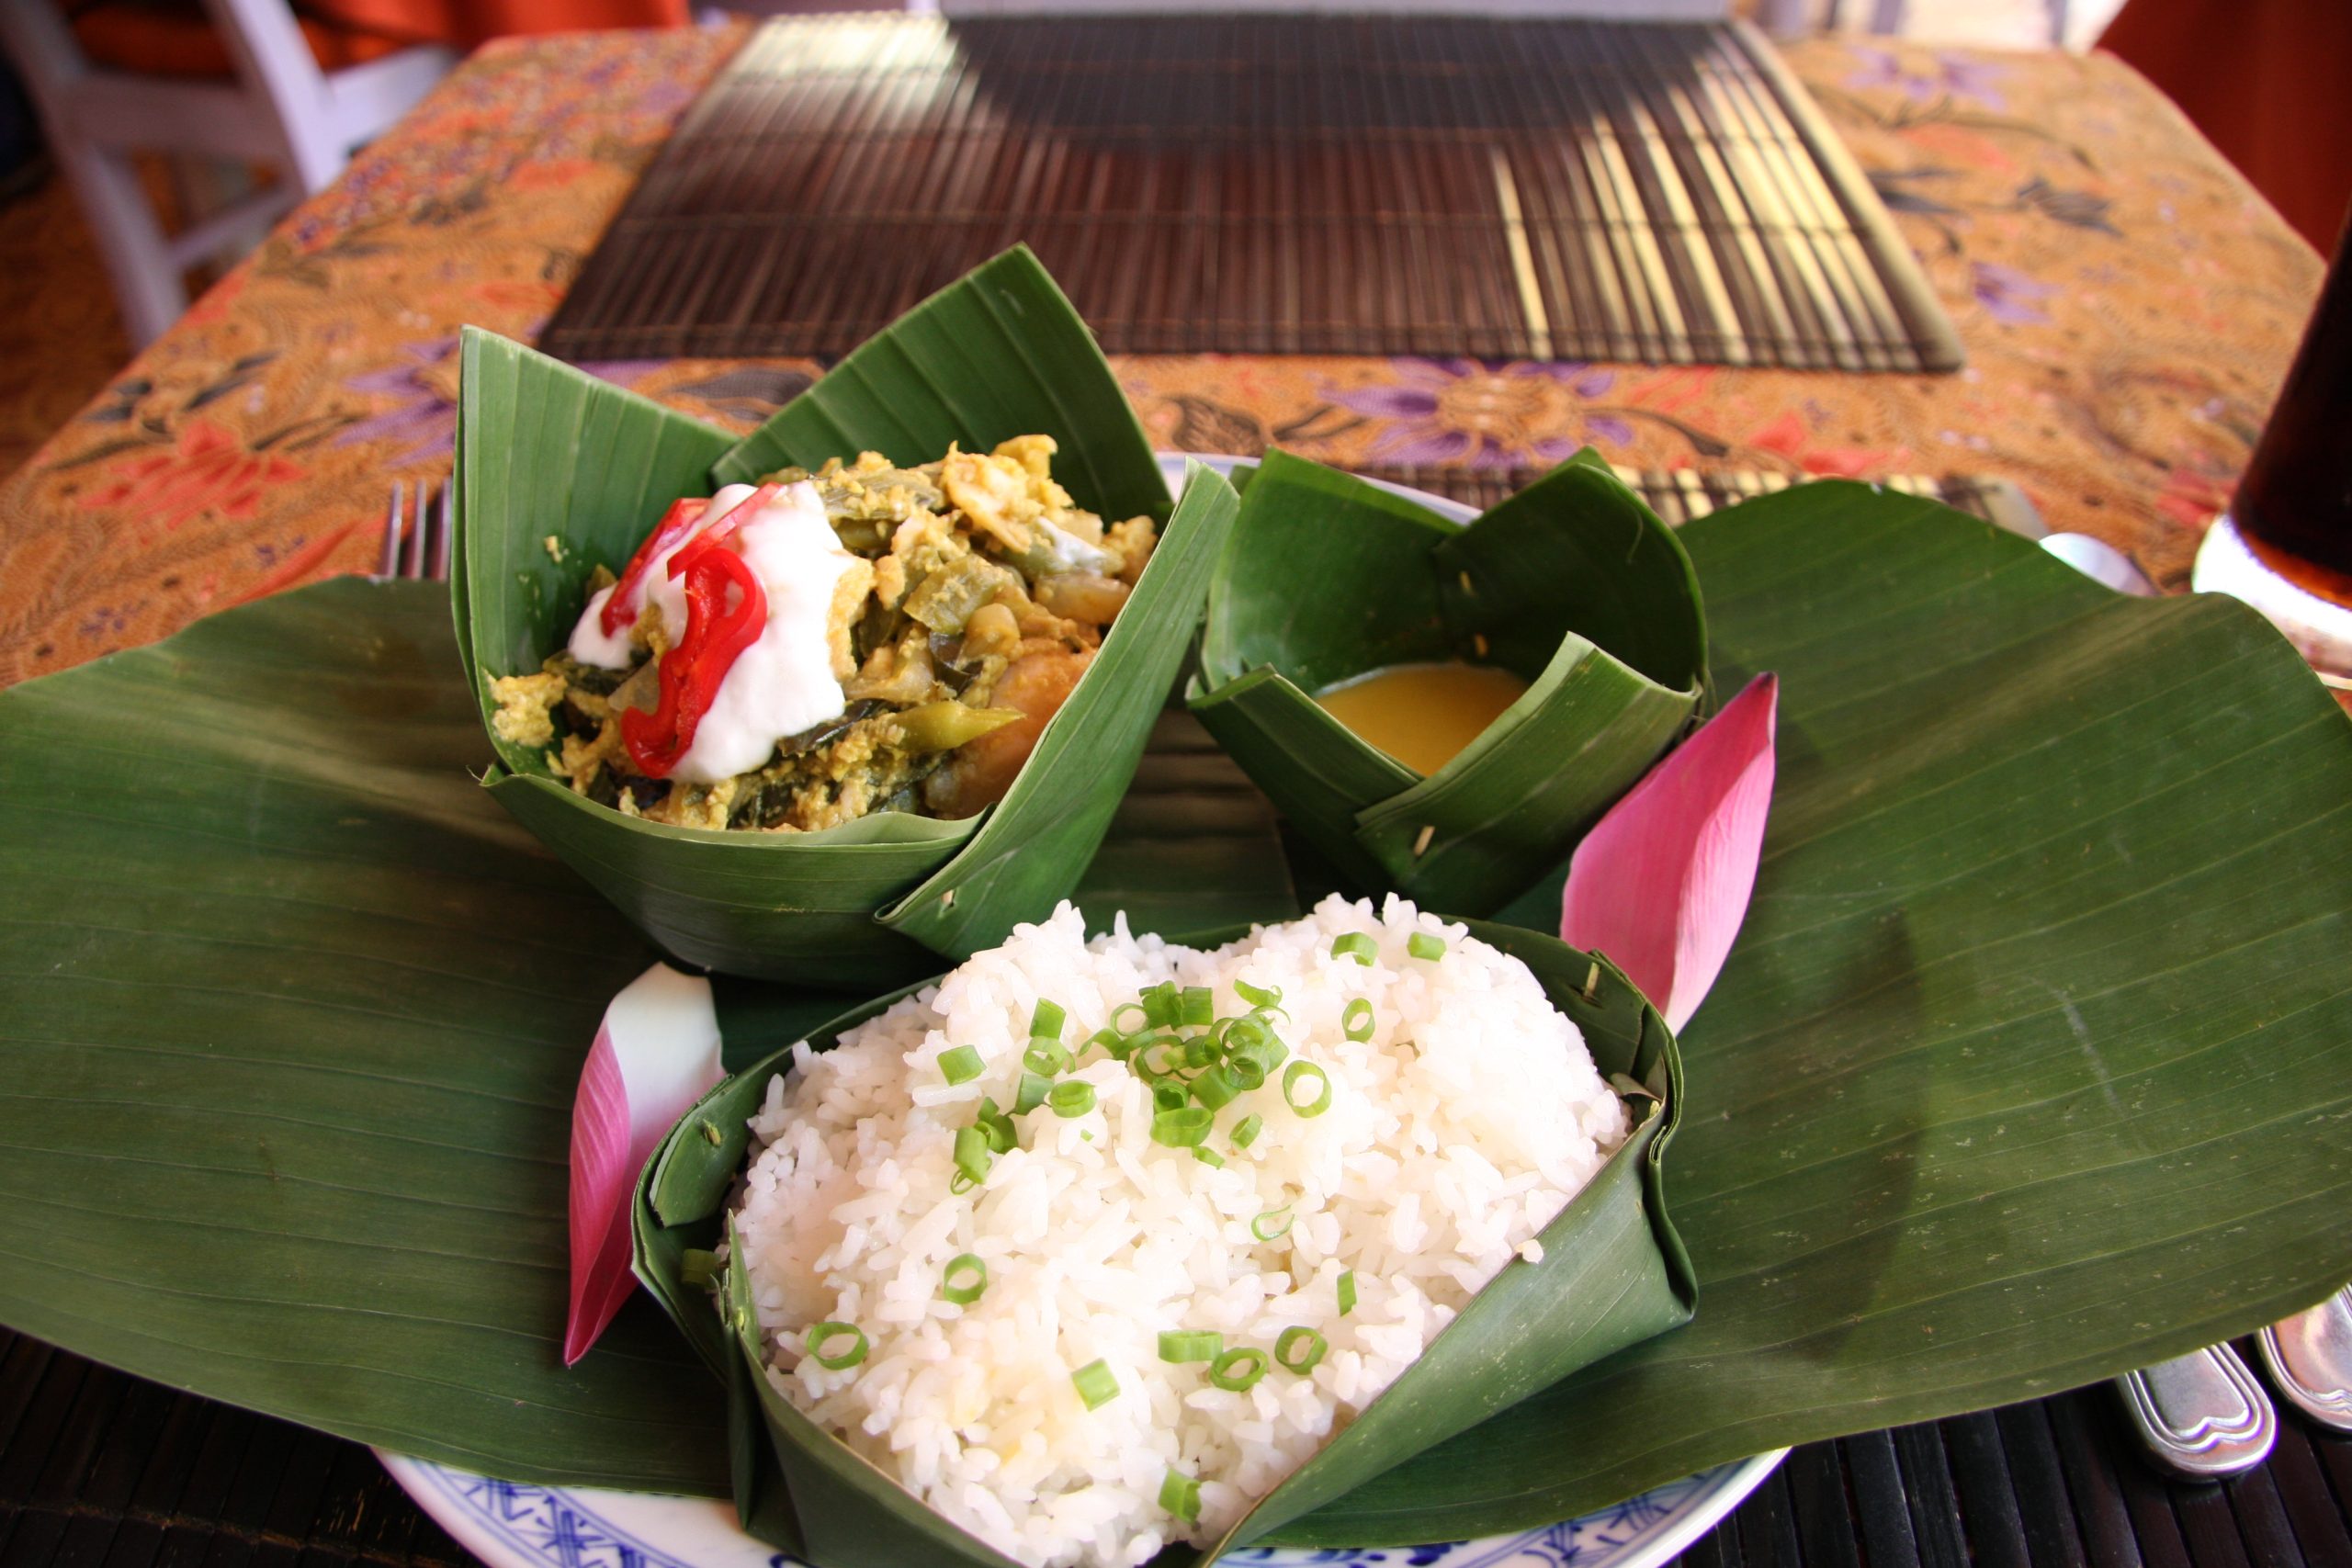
point(784, 682)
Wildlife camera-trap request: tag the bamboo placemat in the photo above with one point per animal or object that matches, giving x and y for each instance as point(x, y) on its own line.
point(1677, 495)
point(1529, 189)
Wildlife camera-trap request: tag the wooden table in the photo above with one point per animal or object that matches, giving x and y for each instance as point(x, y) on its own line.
point(2128, 304)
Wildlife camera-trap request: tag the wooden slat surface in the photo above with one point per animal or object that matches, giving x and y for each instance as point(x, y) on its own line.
point(1550, 190)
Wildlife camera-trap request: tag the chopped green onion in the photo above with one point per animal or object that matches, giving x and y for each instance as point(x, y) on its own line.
point(1207, 1155)
point(1113, 1044)
point(698, 1268)
point(1180, 1495)
point(1215, 1088)
point(1046, 1057)
point(1347, 1292)
point(1075, 1097)
point(819, 1334)
point(1142, 1022)
point(961, 1182)
point(1047, 1022)
point(1238, 1371)
point(972, 1153)
point(1292, 1358)
point(1246, 1131)
point(1096, 1384)
point(1356, 1019)
point(1034, 1089)
point(960, 1066)
point(1421, 945)
point(1265, 1228)
point(1183, 1128)
point(1355, 945)
point(1182, 1345)
point(975, 1271)
point(998, 1128)
point(1152, 1070)
point(1196, 1007)
point(1169, 1095)
point(1200, 1051)
point(1258, 996)
point(1161, 1006)
point(1296, 1074)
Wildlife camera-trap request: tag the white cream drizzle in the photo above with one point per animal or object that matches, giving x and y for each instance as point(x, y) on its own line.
point(784, 682)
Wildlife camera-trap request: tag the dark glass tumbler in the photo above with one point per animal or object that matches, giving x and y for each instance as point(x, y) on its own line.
point(2294, 505)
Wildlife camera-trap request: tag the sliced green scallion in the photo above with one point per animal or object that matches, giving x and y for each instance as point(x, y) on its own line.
point(819, 1334)
point(1096, 1384)
point(1180, 1495)
point(961, 1065)
point(1271, 1225)
point(1183, 1128)
point(1298, 1073)
point(1200, 1051)
point(1161, 1006)
point(1355, 945)
point(972, 1153)
point(1182, 1345)
point(698, 1268)
point(961, 1183)
point(1071, 1099)
point(1246, 1131)
point(997, 1127)
point(1170, 1095)
point(1196, 1007)
point(1356, 1021)
point(1238, 1371)
point(1118, 1019)
point(965, 1276)
point(1421, 945)
point(1207, 1155)
point(1216, 1088)
point(1035, 1087)
point(1347, 1292)
point(1258, 996)
point(1046, 1057)
point(1299, 1348)
point(1045, 1023)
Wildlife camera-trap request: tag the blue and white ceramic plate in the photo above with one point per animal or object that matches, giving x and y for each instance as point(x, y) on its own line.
point(511, 1525)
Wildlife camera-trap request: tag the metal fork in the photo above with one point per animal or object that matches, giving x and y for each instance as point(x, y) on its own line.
point(416, 531)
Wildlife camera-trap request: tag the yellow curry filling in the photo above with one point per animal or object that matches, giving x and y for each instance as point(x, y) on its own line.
point(979, 594)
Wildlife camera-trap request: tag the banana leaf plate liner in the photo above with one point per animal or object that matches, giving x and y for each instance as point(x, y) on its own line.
point(2032, 1063)
point(1613, 1272)
point(1573, 584)
point(559, 472)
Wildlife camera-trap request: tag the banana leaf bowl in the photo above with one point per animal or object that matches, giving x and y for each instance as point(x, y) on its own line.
point(1612, 1273)
point(559, 473)
point(1574, 584)
point(2031, 1064)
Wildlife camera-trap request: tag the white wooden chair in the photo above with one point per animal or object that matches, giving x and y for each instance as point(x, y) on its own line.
point(282, 109)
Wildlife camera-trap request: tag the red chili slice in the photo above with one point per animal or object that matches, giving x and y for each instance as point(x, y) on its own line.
point(716, 633)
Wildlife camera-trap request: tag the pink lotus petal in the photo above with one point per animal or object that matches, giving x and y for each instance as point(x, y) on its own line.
point(1662, 884)
point(656, 1053)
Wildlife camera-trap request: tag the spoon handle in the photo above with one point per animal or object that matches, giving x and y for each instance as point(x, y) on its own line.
point(2308, 1356)
point(2201, 1415)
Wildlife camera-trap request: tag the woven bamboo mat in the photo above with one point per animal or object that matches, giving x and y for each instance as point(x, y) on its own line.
point(1550, 189)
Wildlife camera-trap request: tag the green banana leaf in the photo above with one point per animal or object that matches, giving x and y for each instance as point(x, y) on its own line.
point(1614, 1273)
point(1573, 584)
point(559, 472)
point(2033, 1063)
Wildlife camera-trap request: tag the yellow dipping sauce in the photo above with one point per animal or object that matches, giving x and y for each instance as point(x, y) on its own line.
point(1422, 715)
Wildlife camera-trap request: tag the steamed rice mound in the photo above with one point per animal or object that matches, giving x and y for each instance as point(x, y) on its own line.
point(1455, 1133)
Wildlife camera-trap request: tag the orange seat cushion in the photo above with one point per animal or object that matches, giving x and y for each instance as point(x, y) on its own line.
point(176, 38)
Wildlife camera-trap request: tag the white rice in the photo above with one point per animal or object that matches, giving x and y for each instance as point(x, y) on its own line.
point(1453, 1136)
